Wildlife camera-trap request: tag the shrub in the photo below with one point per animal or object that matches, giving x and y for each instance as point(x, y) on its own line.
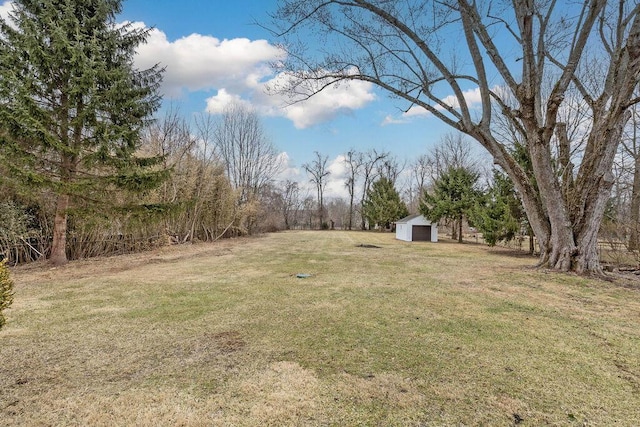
point(6, 290)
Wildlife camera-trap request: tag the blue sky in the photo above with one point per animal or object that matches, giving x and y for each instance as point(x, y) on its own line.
point(361, 121)
point(213, 52)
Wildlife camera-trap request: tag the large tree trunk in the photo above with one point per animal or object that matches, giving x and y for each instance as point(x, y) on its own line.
point(351, 209)
point(59, 247)
point(321, 209)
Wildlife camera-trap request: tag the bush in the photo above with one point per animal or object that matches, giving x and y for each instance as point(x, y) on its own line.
point(6, 290)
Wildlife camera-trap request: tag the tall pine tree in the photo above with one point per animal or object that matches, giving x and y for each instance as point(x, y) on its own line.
point(499, 215)
point(454, 195)
point(383, 205)
point(72, 104)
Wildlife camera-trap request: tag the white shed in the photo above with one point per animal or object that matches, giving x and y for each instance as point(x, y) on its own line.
point(416, 228)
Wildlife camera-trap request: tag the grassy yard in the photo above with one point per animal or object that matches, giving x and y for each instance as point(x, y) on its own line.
point(401, 335)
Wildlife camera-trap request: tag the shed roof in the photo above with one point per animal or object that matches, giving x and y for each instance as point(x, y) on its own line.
point(407, 219)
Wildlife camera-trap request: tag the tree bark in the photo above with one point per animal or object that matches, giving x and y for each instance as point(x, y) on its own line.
point(634, 235)
point(350, 208)
point(59, 246)
point(532, 244)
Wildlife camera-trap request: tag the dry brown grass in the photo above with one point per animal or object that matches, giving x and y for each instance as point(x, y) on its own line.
point(406, 334)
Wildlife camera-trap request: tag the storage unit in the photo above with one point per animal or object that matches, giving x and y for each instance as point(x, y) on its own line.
point(416, 228)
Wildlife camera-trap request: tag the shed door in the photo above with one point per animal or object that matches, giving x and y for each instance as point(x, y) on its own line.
point(421, 233)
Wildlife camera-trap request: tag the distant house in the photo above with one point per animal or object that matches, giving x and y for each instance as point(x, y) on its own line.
point(416, 228)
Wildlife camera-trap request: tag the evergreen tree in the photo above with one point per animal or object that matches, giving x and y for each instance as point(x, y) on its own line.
point(383, 204)
point(72, 105)
point(6, 290)
point(499, 215)
point(455, 193)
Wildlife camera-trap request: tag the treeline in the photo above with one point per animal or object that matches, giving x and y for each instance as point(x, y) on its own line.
point(214, 187)
point(222, 182)
point(458, 187)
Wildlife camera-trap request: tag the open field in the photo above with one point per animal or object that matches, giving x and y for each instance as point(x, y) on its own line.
point(401, 335)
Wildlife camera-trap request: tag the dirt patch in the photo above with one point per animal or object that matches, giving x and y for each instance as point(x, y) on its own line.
point(228, 342)
point(209, 348)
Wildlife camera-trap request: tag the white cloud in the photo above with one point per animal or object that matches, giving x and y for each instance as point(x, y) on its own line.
point(289, 170)
point(322, 107)
point(336, 99)
point(406, 117)
point(199, 62)
point(391, 120)
point(338, 167)
point(471, 96)
point(328, 104)
point(217, 103)
point(239, 69)
point(336, 179)
point(416, 111)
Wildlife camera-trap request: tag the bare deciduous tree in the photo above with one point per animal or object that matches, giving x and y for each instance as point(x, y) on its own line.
point(391, 168)
point(631, 149)
point(250, 158)
point(453, 151)
point(317, 169)
point(170, 138)
point(197, 182)
point(353, 161)
point(291, 203)
point(532, 53)
point(421, 175)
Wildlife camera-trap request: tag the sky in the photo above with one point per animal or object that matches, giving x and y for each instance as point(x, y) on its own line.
point(214, 52)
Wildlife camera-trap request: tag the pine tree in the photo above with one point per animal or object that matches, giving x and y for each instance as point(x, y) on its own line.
point(72, 105)
point(6, 291)
point(454, 194)
point(499, 215)
point(383, 205)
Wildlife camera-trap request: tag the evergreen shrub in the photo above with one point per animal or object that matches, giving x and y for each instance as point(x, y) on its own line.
point(6, 290)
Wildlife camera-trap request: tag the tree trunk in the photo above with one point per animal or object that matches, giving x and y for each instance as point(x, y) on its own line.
point(351, 209)
point(634, 237)
point(59, 247)
point(561, 250)
point(532, 243)
point(320, 209)
point(460, 229)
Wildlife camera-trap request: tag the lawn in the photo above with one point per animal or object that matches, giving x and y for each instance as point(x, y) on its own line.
point(404, 334)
